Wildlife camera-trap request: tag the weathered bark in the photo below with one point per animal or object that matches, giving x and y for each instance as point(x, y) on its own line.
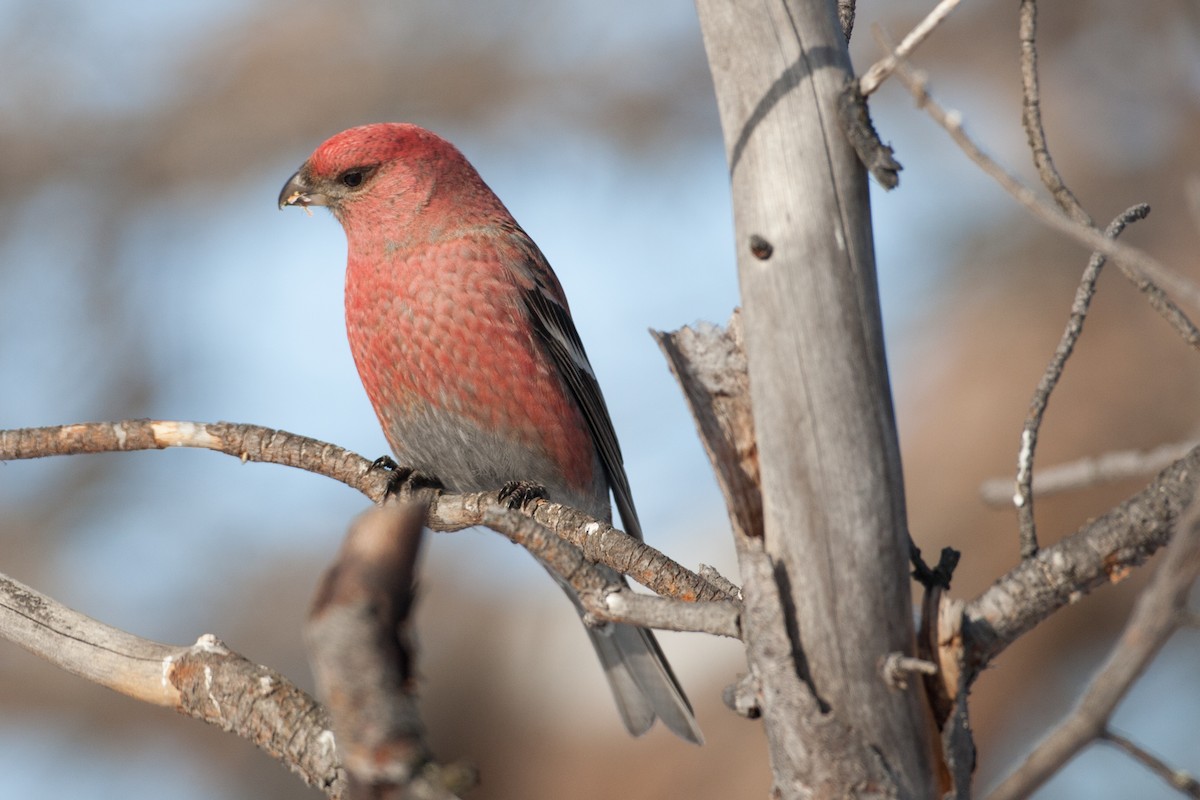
point(833, 500)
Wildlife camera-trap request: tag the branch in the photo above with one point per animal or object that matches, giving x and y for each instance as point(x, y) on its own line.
point(601, 598)
point(206, 681)
point(1031, 118)
point(1146, 273)
point(1092, 471)
point(1155, 617)
point(1023, 499)
point(1100, 552)
point(882, 69)
point(895, 668)
point(211, 683)
point(600, 541)
point(247, 442)
point(1175, 778)
point(363, 660)
point(718, 617)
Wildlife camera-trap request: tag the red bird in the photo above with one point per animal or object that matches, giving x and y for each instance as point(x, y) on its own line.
point(465, 345)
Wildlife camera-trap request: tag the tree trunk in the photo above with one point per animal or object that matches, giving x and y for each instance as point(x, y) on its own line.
point(834, 515)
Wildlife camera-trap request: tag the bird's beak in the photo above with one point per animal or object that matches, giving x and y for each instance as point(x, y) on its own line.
point(296, 192)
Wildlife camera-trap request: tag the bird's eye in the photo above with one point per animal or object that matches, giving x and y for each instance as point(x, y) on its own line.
point(352, 178)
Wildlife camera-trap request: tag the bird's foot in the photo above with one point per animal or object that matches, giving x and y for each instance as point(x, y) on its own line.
point(385, 462)
point(518, 494)
point(403, 479)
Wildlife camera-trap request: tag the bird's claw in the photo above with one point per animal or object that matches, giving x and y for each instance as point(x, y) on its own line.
point(403, 478)
point(385, 462)
point(517, 494)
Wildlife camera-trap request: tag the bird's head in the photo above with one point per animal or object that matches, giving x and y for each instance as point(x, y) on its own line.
point(394, 164)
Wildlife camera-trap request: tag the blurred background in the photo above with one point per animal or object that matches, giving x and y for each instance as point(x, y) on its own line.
point(145, 271)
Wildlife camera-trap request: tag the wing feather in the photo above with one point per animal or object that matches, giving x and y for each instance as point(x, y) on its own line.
point(556, 329)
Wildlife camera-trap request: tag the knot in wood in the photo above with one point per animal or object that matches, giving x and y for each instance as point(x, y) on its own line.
point(760, 248)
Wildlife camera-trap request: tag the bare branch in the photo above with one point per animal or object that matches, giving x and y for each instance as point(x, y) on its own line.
point(718, 617)
point(1175, 778)
point(1100, 552)
point(603, 599)
point(1023, 499)
point(895, 667)
point(1084, 473)
point(1155, 617)
point(600, 541)
point(363, 660)
point(247, 442)
point(110, 657)
point(882, 69)
point(206, 681)
point(1031, 118)
point(184, 678)
point(1149, 275)
point(557, 555)
point(710, 574)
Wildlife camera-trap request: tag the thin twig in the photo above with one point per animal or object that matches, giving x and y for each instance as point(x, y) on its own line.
point(1149, 275)
point(895, 667)
point(1087, 472)
point(884, 67)
point(1023, 499)
point(1176, 778)
point(1155, 617)
point(1031, 117)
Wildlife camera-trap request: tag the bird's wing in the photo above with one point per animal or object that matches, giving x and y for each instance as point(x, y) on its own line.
point(553, 323)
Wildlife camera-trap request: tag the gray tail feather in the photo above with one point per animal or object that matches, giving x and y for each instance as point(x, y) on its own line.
point(642, 682)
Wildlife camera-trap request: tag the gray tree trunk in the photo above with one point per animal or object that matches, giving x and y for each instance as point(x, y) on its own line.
point(835, 541)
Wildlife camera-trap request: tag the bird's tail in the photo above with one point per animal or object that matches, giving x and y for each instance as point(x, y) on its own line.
point(642, 682)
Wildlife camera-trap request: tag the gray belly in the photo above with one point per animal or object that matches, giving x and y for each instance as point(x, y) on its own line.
point(466, 458)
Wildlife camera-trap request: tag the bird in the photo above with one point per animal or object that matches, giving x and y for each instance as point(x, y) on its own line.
point(466, 347)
